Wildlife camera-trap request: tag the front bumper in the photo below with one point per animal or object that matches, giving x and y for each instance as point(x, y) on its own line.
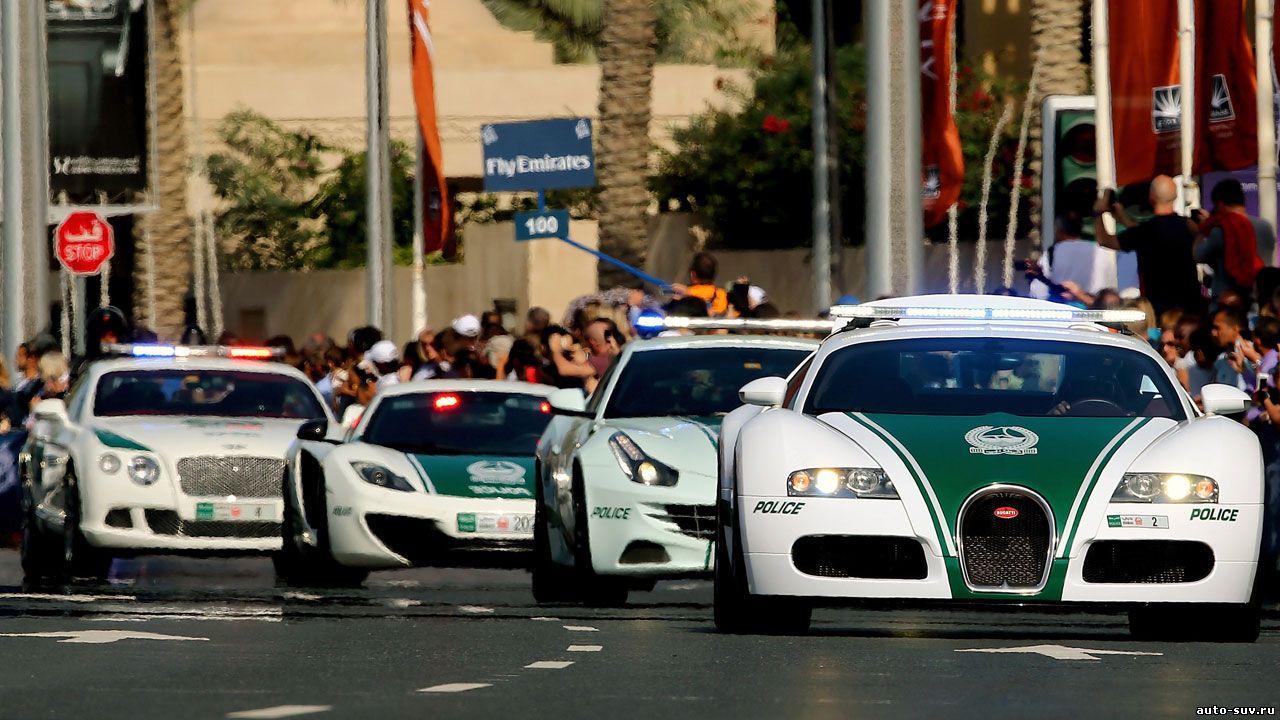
point(373, 527)
point(122, 516)
point(768, 540)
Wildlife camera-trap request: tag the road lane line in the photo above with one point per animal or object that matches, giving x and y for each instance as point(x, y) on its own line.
point(475, 609)
point(66, 598)
point(454, 687)
point(549, 665)
point(279, 711)
point(584, 648)
point(544, 619)
point(403, 602)
point(579, 628)
point(100, 637)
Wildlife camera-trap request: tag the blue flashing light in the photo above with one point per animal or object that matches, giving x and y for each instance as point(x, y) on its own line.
point(649, 323)
point(153, 351)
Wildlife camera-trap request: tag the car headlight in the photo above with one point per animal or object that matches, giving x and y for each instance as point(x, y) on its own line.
point(841, 482)
point(639, 467)
point(109, 463)
point(1166, 488)
point(143, 470)
point(380, 476)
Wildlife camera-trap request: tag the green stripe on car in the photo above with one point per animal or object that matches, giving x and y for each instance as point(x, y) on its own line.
point(119, 442)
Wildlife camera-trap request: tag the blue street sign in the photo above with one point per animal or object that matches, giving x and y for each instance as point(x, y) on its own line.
point(538, 155)
point(542, 224)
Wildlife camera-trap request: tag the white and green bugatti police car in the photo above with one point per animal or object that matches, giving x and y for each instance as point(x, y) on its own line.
point(435, 472)
point(626, 479)
point(166, 450)
point(1014, 451)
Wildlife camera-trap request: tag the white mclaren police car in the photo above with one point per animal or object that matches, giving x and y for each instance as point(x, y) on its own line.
point(626, 480)
point(438, 472)
point(1014, 451)
point(166, 450)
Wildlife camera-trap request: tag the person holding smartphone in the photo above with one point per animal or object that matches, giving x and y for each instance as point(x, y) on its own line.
point(1164, 245)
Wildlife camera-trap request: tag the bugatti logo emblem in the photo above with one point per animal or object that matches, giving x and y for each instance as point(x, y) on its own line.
point(1005, 513)
point(1005, 440)
point(496, 472)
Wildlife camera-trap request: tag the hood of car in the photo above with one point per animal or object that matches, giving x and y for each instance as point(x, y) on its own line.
point(476, 476)
point(686, 443)
point(1060, 458)
point(170, 436)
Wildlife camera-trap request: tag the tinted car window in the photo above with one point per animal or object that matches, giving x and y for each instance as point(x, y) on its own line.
point(223, 393)
point(977, 376)
point(694, 381)
point(460, 423)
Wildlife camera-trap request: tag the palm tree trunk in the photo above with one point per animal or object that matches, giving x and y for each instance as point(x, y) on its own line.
point(169, 227)
point(628, 53)
point(1057, 33)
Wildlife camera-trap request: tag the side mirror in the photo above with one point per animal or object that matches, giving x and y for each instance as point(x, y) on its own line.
point(570, 402)
point(1219, 399)
point(52, 409)
point(764, 392)
point(315, 430)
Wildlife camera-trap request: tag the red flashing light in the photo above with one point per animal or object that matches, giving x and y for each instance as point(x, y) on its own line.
point(446, 402)
point(545, 407)
point(250, 353)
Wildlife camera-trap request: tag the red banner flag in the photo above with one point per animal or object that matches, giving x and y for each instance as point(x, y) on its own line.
point(1226, 88)
point(1146, 98)
point(943, 160)
point(437, 215)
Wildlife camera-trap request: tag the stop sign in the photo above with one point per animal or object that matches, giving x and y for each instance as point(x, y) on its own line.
point(85, 241)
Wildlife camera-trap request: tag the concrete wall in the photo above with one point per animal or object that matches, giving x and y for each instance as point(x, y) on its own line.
point(544, 272)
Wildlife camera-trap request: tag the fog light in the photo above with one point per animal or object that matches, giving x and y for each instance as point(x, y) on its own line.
point(109, 463)
point(827, 481)
point(1177, 487)
point(801, 481)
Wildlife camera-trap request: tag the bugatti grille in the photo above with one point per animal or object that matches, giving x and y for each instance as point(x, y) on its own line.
point(1005, 541)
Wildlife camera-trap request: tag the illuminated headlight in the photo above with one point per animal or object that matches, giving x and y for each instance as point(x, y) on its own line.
point(841, 482)
point(380, 476)
point(1166, 488)
point(143, 470)
point(638, 466)
point(109, 463)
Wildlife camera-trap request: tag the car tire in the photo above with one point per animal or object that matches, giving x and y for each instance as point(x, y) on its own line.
point(592, 589)
point(80, 560)
point(735, 609)
point(299, 565)
point(1204, 622)
point(551, 581)
point(41, 555)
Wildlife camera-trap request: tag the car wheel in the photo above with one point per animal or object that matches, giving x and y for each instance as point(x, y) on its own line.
point(41, 555)
point(551, 581)
point(1185, 622)
point(300, 565)
point(593, 589)
point(80, 559)
point(735, 609)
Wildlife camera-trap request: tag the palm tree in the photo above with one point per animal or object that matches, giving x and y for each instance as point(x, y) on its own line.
point(169, 253)
point(1057, 28)
point(628, 52)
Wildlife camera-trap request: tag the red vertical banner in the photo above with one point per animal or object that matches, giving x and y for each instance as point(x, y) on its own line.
point(437, 215)
point(1226, 88)
point(943, 160)
point(1146, 98)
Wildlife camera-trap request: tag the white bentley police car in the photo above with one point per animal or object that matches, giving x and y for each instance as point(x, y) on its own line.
point(1015, 451)
point(435, 472)
point(168, 450)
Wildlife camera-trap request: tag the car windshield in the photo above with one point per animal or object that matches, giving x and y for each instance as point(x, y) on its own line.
point(222, 393)
point(460, 423)
point(977, 376)
point(694, 381)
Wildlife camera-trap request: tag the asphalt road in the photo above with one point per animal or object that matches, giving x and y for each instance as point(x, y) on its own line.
point(177, 638)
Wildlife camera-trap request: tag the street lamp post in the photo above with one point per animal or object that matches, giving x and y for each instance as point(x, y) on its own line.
point(821, 164)
point(380, 291)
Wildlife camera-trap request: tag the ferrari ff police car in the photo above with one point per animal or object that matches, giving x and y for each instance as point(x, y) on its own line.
point(1013, 452)
point(626, 480)
point(435, 472)
point(167, 450)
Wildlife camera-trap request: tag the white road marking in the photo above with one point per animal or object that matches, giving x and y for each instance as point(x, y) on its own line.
point(549, 665)
point(301, 596)
point(474, 609)
point(545, 619)
point(1059, 652)
point(454, 687)
point(403, 602)
point(579, 628)
point(65, 598)
point(686, 585)
point(100, 637)
point(146, 617)
point(279, 711)
point(584, 648)
point(402, 583)
point(142, 613)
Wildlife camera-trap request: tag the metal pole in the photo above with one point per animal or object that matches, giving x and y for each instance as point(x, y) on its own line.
point(1105, 167)
point(821, 164)
point(1265, 17)
point(879, 158)
point(910, 125)
point(380, 312)
point(1186, 79)
point(419, 282)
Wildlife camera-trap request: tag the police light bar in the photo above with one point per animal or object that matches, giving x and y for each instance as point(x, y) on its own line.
point(156, 350)
point(847, 313)
point(824, 327)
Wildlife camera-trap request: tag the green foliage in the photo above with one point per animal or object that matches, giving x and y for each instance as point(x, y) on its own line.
point(341, 201)
point(689, 31)
point(748, 171)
